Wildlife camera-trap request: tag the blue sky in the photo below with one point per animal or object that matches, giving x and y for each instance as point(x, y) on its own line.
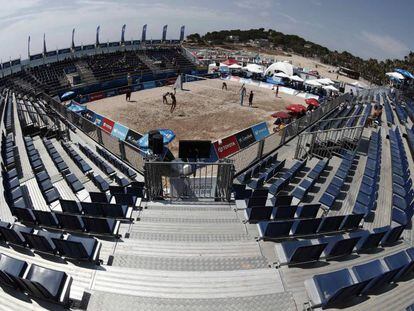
point(367, 28)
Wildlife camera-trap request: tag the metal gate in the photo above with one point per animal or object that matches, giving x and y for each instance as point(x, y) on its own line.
point(188, 180)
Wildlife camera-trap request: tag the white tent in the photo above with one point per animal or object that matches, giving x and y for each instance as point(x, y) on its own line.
point(281, 75)
point(280, 66)
point(359, 84)
point(325, 81)
point(395, 75)
point(235, 66)
point(296, 78)
point(331, 88)
point(254, 68)
point(313, 82)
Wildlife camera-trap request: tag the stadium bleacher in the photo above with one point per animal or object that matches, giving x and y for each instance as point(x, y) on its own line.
point(77, 228)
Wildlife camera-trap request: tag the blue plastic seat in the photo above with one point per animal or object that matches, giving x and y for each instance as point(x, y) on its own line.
point(400, 262)
point(297, 252)
point(275, 230)
point(336, 287)
point(306, 226)
point(373, 275)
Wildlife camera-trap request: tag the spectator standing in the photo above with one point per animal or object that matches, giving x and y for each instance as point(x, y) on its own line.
point(251, 95)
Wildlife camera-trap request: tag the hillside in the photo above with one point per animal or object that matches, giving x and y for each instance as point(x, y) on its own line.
point(370, 69)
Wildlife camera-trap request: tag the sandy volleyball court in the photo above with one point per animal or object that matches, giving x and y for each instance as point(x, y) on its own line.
point(203, 110)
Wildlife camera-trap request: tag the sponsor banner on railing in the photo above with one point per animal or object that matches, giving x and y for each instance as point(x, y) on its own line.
point(260, 131)
point(111, 93)
point(245, 138)
point(97, 96)
point(98, 120)
point(133, 137)
point(226, 147)
point(119, 131)
point(107, 125)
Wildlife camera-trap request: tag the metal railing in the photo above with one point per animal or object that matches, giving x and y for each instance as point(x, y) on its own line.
point(329, 142)
point(248, 156)
point(122, 149)
point(188, 180)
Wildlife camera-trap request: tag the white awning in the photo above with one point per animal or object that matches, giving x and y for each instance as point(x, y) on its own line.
point(395, 75)
point(296, 78)
point(312, 83)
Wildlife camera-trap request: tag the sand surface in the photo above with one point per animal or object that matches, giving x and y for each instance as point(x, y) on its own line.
point(203, 110)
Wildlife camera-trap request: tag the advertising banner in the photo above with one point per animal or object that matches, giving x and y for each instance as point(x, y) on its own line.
point(245, 138)
point(98, 120)
point(260, 131)
point(119, 131)
point(111, 93)
point(96, 96)
point(227, 147)
point(133, 137)
point(107, 125)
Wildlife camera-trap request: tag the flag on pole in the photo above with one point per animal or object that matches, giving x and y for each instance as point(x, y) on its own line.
point(144, 34)
point(182, 33)
point(97, 35)
point(73, 38)
point(164, 33)
point(123, 34)
point(28, 47)
point(44, 44)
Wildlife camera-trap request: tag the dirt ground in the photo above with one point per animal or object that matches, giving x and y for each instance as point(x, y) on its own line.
point(203, 110)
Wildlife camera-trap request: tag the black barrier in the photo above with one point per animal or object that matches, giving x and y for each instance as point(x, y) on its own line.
point(245, 138)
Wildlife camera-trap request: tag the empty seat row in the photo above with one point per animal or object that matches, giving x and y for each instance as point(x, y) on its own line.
point(334, 188)
point(259, 198)
point(10, 153)
point(402, 192)
point(103, 166)
point(96, 209)
point(36, 281)
point(49, 192)
point(401, 114)
point(306, 184)
point(388, 112)
point(339, 288)
point(83, 166)
point(256, 169)
point(270, 230)
point(68, 222)
point(260, 213)
point(368, 189)
point(54, 154)
point(117, 163)
point(55, 243)
point(285, 179)
point(306, 251)
point(268, 174)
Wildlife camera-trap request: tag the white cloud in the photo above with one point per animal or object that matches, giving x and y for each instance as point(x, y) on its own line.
point(387, 44)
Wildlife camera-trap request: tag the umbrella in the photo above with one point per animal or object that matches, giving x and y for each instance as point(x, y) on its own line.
point(395, 75)
point(281, 115)
point(75, 107)
point(281, 75)
point(313, 83)
point(312, 102)
point(68, 95)
point(296, 108)
point(235, 66)
point(167, 135)
point(405, 73)
point(296, 78)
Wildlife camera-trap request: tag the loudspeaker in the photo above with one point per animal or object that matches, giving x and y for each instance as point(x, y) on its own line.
point(157, 144)
point(194, 149)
